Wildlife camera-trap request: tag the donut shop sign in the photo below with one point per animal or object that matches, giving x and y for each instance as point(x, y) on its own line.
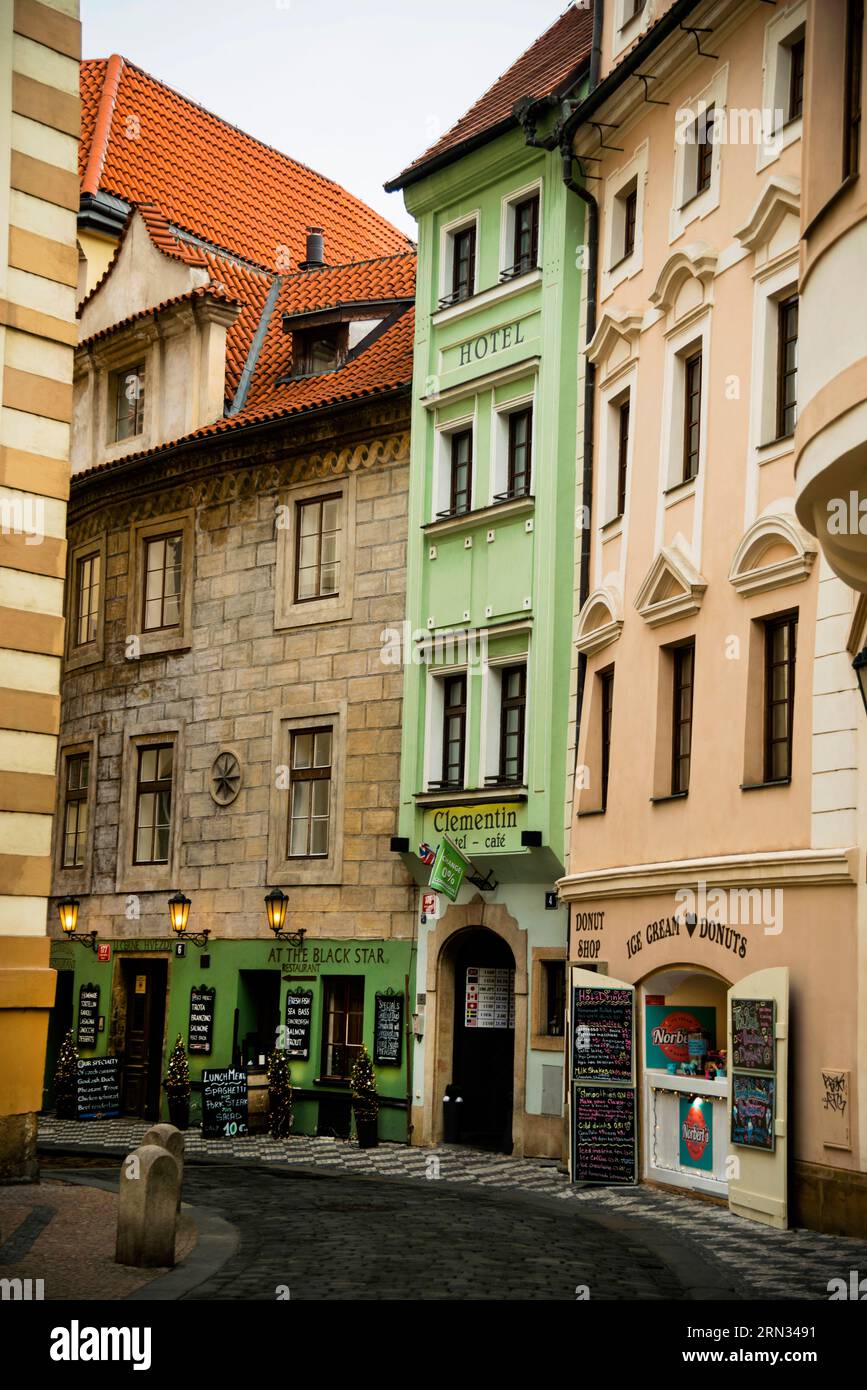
point(487, 344)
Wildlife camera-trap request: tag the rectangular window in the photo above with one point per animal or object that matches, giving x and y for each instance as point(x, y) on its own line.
point(454, 729)
point(630, 9)
point(780, 644)
point(852, 98)
point(630, 212)
point(691, 415)
point(526, 243)
point(787, 367)
point(129, 388)
point(317, 562)
point(796, 80)
point(87, 580)
point(513, 712)
point(162, 581)
point(310, 793)
point(75, 810)
point(461, 476)
point(622, 455)
point(153, 804)
point(520, 447)
point(554, 1000)
point(343, 1024)
point(681, 723)
point(606, 692)
point(463, 264)
point(704, 129)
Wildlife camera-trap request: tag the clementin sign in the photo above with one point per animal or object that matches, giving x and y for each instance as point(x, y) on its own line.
point(477, 829)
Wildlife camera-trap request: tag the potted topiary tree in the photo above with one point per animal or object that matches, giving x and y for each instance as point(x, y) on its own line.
point(178, 1086)
point(66, 1079)
point(365, 1101)
point(280, 1116)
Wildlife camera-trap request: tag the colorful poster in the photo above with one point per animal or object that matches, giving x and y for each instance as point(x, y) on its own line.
point(667, 1030)
point(753, 1034)
point(696, 1133)
point(753, 1105)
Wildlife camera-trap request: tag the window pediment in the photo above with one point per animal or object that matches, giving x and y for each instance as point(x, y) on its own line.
point(697, 261)
point(773, 552)
point(600, 621)
point(780, 198)
point(615, 342)
point(672, 589)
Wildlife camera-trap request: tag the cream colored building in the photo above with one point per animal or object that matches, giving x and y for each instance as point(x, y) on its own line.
point(39, 124)
point(718, 828)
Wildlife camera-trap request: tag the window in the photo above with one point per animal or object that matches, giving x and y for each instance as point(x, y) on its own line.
point(128, 388)
point(460, 478)
point(606, 691)
point(513, 712)
point(622, 455)
point(795, 106)
point(704, 129)
point(625, 215)
point(780, 643)
point(463, 264)
point(162, 586)
point(526, 239)
point(520, 447)
point(852, 110)
point(684, 663)
point(554, 998)
point(631, 8)
point(454, 730)
point(317, 562)
point(153, 804)
point(691, 415)
point(787, 366)
point(75, 810)
point(318, 350)
point(310, 794)
point(343, 1024)
point(86, 599)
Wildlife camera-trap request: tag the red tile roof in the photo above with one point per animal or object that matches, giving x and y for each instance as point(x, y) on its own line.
point(146, 143)
point(388, 277)
point(551, 65)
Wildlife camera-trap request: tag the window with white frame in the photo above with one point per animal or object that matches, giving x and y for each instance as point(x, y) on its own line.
point(447, 710)
point(454, 474)
point(519, 253)
point(783, 83)
point(506, 722)
point(618, 453)
point(630, 19)
point(776, 386)
point(685, 429)
point(624, 221)
point(458, 277)
point(701, 127)
point(513, 451)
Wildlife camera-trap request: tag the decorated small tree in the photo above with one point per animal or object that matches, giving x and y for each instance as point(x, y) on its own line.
point(66, 1078)
point(365, 1100)
point(178, 1086)
point(280, 1116)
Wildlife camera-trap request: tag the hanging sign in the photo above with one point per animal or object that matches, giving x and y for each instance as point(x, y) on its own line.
point(603, 1119)
point(602, 1034)
point(98, 1087)
point(696, 1133)
point(489, 1001)
point(448, 870)
point(88, 1015)
point(224, 1103)
point(753, 1045)
point(753, 1106)
point(388, 1029)
point(299, 1013)
point(201, 1027)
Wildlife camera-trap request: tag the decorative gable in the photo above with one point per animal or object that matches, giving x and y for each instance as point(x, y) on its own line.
point(600, 621)
point(774, 223)
point(615, 342)
point(773, 552)
point(683, 284)
point(672, 589)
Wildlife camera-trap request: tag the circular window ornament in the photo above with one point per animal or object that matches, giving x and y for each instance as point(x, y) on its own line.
point(225, 778)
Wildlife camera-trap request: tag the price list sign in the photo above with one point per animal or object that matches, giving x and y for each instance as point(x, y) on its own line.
point(299, 1013)
point(490, 997)
point(98, 1087)
point(388, 1030)
point(604, 1134)
point(88, 1015)
point(200, 1033)
point(224, 1103)
point(602, 1034)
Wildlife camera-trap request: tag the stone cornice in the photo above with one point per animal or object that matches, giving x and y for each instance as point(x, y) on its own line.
point(805, 868)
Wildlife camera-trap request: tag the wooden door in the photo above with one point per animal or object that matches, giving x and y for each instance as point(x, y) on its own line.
point(145, 1017)
point(758, 1074)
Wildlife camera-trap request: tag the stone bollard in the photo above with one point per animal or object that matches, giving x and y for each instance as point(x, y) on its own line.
point(147, 1208)
point(168, 1138)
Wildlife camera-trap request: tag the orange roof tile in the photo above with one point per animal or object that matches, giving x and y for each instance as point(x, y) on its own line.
point(551, 65)
point(386, 277)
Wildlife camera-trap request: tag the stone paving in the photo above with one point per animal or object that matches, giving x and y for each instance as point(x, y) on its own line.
point(751, 1261)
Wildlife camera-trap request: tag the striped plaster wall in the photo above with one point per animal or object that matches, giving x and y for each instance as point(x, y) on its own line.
point(39, 125)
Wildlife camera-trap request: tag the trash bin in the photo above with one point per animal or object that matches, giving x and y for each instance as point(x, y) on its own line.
point(453, 1104)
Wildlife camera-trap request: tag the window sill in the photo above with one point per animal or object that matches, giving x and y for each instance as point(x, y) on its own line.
point(686, 487)
point(670, 796)
point(469, 796)
point(516, 506)
point(504, 289)
point(613, 527)
point(597, 811)
point(760, 786)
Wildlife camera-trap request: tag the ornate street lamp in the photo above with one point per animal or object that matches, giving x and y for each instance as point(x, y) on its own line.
point(67, 909)
point(179, 911)
point(276, 903)
point(859, 665)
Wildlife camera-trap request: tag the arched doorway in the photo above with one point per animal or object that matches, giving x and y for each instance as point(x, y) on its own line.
point(482, 969)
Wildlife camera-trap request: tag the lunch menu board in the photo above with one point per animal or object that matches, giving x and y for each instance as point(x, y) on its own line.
point(602, 1034)
point(753, 1107)
point(201, 1029)
point(98, 1087)
point(299, 1013)
point(88, 1015)
point(388, 1030)
point(753, 1028)
point(604, 1134)
point(224, 1102)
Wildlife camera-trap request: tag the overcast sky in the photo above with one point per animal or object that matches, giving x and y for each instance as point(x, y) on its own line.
point(354, 88)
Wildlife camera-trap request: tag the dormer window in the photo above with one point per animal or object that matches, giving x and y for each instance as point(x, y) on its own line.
point(318, 350)
point(127, 391)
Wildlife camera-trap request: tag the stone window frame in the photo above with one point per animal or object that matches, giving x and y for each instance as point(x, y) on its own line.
point(161, 640)
point(87, 653)
point(69, 881)
point(290, 718)
point(148, 878)
point(685, 208)
point(448, 232)
point(540, 1041)
point(617, 268)
point(288, 612)
point(508, 205)
point(781, 29)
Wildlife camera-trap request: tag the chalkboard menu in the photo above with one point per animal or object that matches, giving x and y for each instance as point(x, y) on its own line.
point(224, 1103)
point(388, 1030)
point(753, 1045)
point(98, 1087)
point(88, 1015)
point(602, 1034)
point(603, 1119)
point(299, 1013)
point(201, 1030)
point(753, 1101)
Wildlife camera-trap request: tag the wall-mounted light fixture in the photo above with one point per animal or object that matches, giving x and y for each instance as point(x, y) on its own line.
point(276, 903)
point(67, 909)
point(179, 912)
